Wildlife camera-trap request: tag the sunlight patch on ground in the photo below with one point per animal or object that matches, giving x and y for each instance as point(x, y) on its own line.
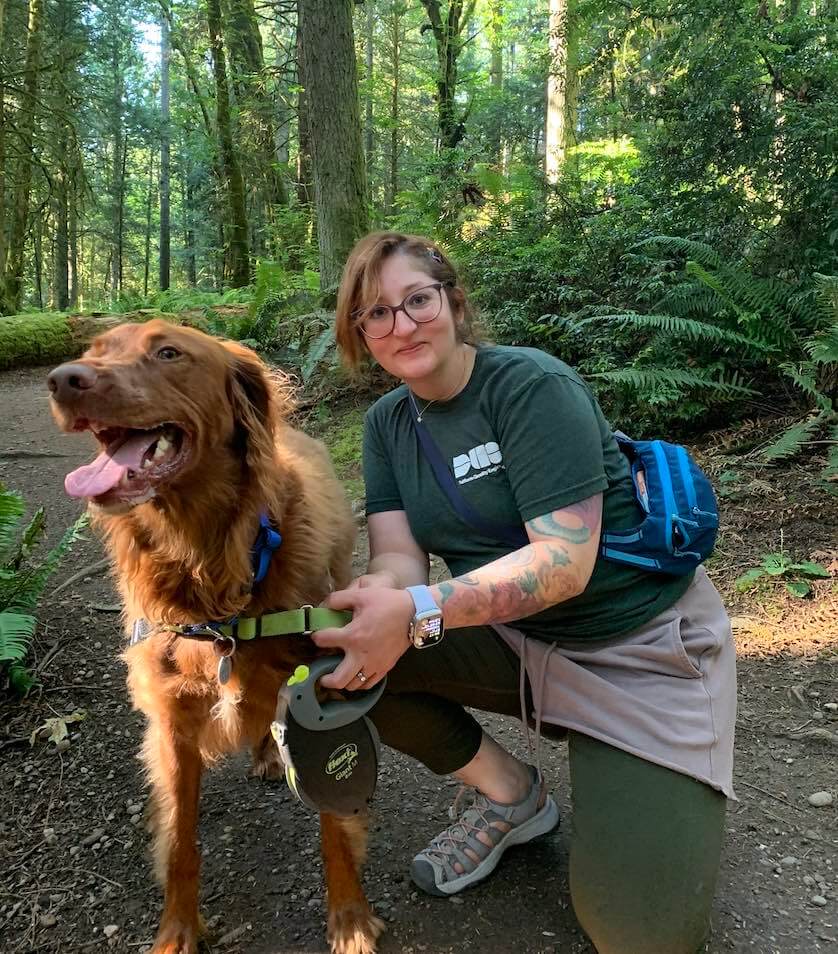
point(789, 626)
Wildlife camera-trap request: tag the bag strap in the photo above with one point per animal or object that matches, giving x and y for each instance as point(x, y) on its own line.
point(513, 536)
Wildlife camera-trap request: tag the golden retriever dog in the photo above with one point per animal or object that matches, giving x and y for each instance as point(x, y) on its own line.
point(194, 449)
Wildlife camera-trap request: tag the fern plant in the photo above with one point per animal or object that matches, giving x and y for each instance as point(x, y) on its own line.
point(22, 581)
point(734, 331)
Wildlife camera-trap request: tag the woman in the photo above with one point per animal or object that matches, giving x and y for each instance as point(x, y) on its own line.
point(638, 667)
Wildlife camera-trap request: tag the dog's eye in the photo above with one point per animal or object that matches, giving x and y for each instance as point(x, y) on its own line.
point(168, 354)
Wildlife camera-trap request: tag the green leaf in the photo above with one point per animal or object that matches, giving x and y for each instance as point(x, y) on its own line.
point(811, 569)
point(799, 588)
point(747, 580)
point(16, 632)
point(775, 564)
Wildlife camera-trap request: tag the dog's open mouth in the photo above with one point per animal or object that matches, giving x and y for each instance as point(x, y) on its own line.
point(132, 463)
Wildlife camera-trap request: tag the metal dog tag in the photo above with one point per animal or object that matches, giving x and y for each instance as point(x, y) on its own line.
point(225, 646)
point(225, 669)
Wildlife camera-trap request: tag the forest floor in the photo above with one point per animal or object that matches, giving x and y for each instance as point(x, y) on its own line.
point(74, 869)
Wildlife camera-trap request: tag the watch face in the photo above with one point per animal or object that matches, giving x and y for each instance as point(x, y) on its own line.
point(427, 630)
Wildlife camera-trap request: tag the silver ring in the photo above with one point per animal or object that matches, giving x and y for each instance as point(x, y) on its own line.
point(360, 676)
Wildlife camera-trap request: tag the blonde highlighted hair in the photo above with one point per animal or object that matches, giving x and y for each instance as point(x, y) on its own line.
point(359, 287)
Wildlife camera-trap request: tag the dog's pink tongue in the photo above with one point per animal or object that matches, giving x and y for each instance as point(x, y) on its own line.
point(109, 467)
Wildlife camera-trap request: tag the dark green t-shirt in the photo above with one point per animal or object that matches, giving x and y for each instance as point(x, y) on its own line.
point(524, 437)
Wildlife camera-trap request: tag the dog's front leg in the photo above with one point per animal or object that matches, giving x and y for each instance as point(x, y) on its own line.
point(175, 766)
point(352, 926)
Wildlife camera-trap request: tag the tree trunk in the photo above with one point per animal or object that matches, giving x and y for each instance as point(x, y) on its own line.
point(2, 155)
point(331, 82)
point(496, 75)
point(304, 174)
point(255, 97)
point(13, 279)
point(73, 241)
point(239, 264)
point(447, 27)
point(189, 232)
point(369, 130)
point(165, 134)
point(61, 255)
point(149, 197)
point(562, 88)
point(395, 58)
point(119, 146)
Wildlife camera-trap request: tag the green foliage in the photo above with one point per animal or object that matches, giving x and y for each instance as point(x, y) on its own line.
point(780, 568)
point(22, 580)
point(33, 339)
point(342, 432)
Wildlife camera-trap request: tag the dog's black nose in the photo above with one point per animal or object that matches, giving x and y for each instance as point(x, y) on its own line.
point(67, 380)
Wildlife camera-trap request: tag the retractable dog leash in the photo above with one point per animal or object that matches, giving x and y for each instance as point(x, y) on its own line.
point(330, 748)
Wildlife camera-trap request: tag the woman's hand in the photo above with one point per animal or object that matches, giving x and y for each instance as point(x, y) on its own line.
point(375, 638)
point(379, 578)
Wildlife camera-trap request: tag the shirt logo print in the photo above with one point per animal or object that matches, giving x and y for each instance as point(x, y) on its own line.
point(483, 459)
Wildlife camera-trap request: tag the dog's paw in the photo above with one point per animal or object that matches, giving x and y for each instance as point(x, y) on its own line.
point(176, 939)
point(354, 929)
point(267, 763)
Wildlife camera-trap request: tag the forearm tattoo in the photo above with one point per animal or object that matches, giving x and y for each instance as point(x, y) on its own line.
point(522, 583)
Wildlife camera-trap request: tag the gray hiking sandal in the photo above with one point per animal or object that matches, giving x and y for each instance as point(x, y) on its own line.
point(433, 869)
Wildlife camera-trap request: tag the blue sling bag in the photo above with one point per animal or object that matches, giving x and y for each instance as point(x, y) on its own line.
point(681, 519)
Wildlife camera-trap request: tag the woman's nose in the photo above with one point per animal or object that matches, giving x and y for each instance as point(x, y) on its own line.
point(403, 324)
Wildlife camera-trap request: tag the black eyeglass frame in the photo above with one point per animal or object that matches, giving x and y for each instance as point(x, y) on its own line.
point(395, 309)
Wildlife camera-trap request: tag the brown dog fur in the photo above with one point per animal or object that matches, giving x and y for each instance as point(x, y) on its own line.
point(184, 557)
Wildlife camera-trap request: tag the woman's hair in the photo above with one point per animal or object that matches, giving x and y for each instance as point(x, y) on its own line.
point(360, 287)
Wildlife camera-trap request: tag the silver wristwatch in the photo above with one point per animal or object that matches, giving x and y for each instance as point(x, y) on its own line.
point(426, 628)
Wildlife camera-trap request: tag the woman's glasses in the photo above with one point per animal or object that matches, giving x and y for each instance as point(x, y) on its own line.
point(421, 305)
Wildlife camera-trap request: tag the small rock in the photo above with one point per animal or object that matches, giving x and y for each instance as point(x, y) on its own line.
point(92, 838)
point(819, 900)
point(110, 929)
point(808, 880)
point(788, 861)
point(50, 920)
point(62, 746)
point(821, 799)
point(831, 706)
point(49, 836)
point(134, 809)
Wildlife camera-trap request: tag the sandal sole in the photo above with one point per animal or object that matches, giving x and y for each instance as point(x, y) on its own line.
point(540, 824)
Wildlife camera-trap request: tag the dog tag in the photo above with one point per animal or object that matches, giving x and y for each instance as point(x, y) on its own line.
point(224, 646)
point(225, 669)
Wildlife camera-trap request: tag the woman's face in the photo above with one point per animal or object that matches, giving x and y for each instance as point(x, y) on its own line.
point(412, 351)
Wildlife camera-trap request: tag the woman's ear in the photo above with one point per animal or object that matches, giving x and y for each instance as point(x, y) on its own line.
point(252, 401)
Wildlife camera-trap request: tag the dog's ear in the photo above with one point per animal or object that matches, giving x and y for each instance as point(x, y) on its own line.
point(252, 400)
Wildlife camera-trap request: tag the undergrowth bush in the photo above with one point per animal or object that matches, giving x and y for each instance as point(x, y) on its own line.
point(22, 580)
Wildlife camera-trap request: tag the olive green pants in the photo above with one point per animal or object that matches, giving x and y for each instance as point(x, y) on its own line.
point(645, 841)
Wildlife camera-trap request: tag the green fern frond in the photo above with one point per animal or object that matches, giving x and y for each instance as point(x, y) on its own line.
point(826, 296)
point(691, 298)
point(804, 377)
point(699, 251)
point(324, 341)
point(677, 327)
point(649, 379)
point(830, 472)
point(32, 533)
point(12, 508)
point(823, 346)
point(790, 441)
point(16, 632)
point(36, 580)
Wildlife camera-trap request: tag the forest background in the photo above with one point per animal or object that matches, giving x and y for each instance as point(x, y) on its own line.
point(646, 188)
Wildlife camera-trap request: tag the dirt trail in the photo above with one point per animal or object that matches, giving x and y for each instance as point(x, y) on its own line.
point(74, 872)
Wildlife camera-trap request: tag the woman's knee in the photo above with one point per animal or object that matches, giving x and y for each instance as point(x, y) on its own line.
point(645, 852)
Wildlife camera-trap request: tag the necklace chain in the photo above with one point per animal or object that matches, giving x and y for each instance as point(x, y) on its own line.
point(419, 414)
